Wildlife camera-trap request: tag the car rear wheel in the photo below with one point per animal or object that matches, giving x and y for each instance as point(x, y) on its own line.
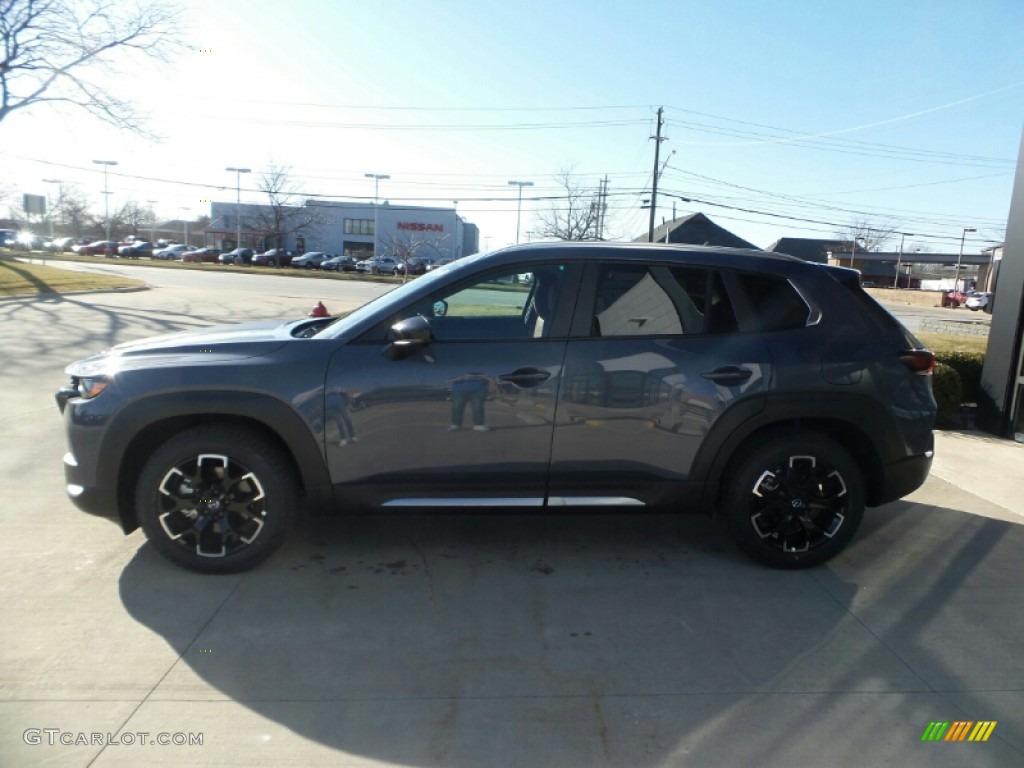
point(216, 499)
point(794, 501)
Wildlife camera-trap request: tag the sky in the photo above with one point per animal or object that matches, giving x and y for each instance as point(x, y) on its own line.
point(789, 119)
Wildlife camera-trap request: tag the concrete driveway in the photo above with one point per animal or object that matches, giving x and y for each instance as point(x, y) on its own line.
point(480, 640)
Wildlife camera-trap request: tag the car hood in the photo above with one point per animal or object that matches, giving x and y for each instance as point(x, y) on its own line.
point(216, 344)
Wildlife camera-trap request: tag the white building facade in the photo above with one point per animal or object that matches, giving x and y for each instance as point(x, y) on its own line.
point(357, 229)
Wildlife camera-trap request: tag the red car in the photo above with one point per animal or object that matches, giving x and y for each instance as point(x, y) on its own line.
point(953, 298)
point(98, 248)
point(202, 255)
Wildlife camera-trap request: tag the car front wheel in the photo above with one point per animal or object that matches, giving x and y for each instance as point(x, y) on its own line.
point(216, 499)
point(794, 501)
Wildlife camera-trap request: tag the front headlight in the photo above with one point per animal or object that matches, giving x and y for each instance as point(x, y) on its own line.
point(91, 386)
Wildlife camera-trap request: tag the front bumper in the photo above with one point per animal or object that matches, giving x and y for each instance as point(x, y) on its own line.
point(88, 499)
point(80, 481)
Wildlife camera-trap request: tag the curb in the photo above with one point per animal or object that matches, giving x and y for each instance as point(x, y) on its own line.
point(50, 294)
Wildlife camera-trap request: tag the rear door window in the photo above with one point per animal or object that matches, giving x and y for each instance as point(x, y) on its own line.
point(653, 300)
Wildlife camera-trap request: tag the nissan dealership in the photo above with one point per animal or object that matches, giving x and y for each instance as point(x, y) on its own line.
point(356, 229)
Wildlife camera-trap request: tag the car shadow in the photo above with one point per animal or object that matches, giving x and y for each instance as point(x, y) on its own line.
point(396, 637)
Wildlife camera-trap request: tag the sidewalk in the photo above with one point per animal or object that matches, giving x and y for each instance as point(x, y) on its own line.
point(987, 466)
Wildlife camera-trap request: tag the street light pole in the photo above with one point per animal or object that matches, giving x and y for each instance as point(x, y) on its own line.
point(960, 256)
point(376, 197)
point(899, 258)
point(152, 221)
point(238, 202)
point(519, 207)
point(106, 195)
point(60, 197)
point(187, 210)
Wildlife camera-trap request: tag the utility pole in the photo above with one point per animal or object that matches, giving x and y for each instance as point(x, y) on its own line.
point(519, 205)
point(654, 188)
point(106, 200)
point(960, 257)
point(601, 206)
point(899, 259)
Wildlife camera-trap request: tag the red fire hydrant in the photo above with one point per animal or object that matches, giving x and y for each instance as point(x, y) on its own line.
point(319, 310)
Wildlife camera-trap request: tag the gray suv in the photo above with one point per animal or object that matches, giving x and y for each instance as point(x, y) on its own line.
point(769, 391)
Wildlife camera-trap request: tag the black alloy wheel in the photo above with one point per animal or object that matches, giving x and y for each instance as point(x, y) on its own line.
point(216, 499)
point(794, 501)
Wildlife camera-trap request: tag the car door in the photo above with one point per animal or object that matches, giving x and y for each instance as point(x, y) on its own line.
point(459, 411)
point(657, 356)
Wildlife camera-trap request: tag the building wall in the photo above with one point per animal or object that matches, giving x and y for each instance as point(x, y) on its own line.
point(337, 228)
point(1001, 402)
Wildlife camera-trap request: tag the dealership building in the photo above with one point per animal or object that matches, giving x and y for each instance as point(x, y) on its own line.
point(356, 229)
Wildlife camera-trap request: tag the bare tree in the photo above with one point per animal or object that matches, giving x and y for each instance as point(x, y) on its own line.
point(284, 217)
point(573, 216)
point(53, 50)
point(73, 209)
point(871, 234)
point(7, 196)
point(131, 217)
point(403, 247)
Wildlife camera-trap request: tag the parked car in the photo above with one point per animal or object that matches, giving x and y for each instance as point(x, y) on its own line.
point(415, 265)
point(385, 265)
point(172, 252)
point(311, 260)
point(59, 245)
point(201, 256)
point(439, 263)
point(979, 300)
point(340, 264)
point(953, 298)
point(27, 241)
point(764, 389)
point(8, 238)
point(239, 256)
point(98, 248)
point(275, 257)
point(136, 250)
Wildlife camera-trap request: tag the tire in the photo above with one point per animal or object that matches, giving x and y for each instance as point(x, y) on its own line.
point(794, 501)
point(216, 499)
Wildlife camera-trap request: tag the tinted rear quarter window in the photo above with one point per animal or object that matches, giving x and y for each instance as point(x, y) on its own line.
point(775, 302)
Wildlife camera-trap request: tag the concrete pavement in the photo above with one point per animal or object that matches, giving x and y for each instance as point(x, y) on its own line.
point(984, 465)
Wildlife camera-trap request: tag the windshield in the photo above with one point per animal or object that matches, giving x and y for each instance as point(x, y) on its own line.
point(396, 296)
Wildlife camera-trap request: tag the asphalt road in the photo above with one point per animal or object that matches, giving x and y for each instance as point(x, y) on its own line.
point(480, 640)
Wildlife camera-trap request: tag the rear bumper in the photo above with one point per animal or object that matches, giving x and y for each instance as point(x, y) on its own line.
point(905, 477)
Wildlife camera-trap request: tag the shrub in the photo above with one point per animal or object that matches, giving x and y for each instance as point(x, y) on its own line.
point(968, 365)
point(948, 391)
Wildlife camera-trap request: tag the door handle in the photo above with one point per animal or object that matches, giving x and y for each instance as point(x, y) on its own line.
point(526, 377)
point(728, 374)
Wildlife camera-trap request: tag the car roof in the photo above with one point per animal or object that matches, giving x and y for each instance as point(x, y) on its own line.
point(733, 258)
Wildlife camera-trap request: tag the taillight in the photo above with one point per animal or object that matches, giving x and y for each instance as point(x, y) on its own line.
point(919, 361)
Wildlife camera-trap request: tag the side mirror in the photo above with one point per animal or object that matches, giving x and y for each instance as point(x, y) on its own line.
point(409, 335)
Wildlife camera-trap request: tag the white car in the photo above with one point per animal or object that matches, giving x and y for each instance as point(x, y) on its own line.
point(173, 252)
point(385, 265)
point(980, 300)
